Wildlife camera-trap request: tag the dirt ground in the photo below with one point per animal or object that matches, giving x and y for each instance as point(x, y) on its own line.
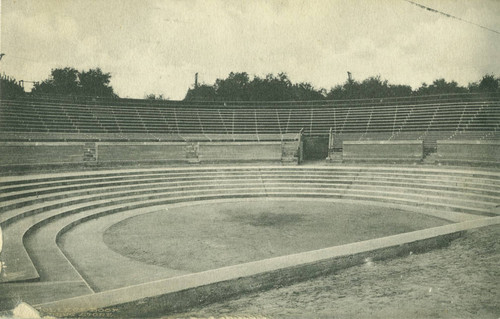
point(209, 236)
point(459, 281)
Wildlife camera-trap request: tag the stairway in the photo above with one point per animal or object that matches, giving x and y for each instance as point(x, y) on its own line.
point(90, 153)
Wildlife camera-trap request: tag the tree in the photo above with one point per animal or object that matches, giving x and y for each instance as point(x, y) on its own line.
point(155, 97)
point(350, 90)
point(10, 88)
point(235, 87)
point(372, 87)
point(62, 81)
point(271, 88)
point(440, 86)
point(487, 84)
point(69, 81)
point(304, 91)
point(201, 93)
point(95, 83)
point(399, 90)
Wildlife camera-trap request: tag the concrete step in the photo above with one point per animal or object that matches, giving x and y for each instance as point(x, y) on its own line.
point(430, 158)
point(19, 264)
point(33, 197)
point(335, 157)
point(125, 201)
point(39, 189)
point(60, 193)
point(16, 181)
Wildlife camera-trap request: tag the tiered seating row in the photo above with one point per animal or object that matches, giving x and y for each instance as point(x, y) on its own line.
point(418, 119)
point(440, 98)
point(27, 204)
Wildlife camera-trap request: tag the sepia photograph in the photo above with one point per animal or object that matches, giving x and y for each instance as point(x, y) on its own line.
point(249, 159)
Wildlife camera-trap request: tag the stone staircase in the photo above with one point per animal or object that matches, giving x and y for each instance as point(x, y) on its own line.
point(290, 153)
point(430, 158)
point(90, 152)
point(334, 157)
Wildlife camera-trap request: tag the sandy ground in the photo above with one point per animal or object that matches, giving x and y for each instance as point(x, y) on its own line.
point(209, 236)
point(459, 281)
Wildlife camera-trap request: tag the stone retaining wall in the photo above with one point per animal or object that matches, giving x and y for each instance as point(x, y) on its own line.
point(383, 151)
point(468, 152)
point(74, 153)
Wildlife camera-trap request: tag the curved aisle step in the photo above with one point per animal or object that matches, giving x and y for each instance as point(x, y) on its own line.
point(16, 257)
point(113, 193)
point(122, 271)
point(17, 262)
point(44, 201)
point(359, 180)
point(448, 172)
point(13, 197)
point(39, 292)
point(14, 206)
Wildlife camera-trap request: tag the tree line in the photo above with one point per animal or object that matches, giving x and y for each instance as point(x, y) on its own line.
point(70, 81)
point(10, 88)
point(239, 86)
point(64, 82)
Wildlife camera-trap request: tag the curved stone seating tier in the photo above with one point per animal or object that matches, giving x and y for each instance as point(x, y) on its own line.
point(138, 137)
point(126, 102)
point(45, 206)
point(456, 113)
point(39, 190)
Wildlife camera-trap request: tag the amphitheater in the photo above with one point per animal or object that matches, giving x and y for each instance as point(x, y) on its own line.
point(75, 169)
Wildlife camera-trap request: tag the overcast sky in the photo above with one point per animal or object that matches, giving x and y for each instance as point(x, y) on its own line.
point(158, 46)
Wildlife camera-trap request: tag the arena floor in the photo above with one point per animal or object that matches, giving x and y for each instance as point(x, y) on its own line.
point(191, 238)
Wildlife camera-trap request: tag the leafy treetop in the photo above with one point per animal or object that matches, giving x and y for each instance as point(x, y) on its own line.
point(69, 81)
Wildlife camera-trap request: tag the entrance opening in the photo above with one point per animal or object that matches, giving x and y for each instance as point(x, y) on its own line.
point(315, 147)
